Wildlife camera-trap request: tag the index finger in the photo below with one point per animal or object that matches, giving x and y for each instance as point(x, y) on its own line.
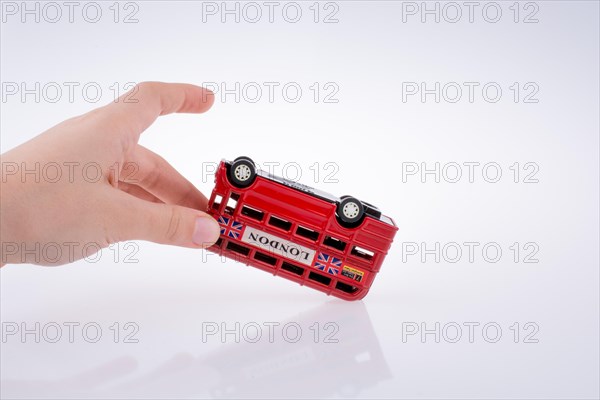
point(136, 110)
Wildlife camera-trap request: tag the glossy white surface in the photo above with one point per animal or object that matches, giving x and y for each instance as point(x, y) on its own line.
point(170, 296)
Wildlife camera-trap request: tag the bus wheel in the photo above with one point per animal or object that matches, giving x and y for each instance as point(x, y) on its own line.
point(244, 158)
point(242, 172)
point(350, 210)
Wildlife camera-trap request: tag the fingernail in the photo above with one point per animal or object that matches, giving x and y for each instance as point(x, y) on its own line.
point(206, 231)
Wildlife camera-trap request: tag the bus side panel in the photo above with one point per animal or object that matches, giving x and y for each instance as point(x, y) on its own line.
point(288, 207)
point(277, 199)
point(379, 228)
point(372, 242)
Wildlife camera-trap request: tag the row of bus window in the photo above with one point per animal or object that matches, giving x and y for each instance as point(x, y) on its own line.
point(286, 226)
point(286, 266)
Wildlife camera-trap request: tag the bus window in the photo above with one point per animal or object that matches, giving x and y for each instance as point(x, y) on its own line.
point(362, 253)
point(319, 278)
point(238, 248)
point(280, 223)
point(265, 258)
point(344, 287)
point(217, 202)
point(232, 203)
point(307, 233)
point(252, 213)
point(335, 243)
point(294, 269)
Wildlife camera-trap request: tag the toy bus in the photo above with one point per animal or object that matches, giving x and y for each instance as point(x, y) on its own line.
point(334, 245)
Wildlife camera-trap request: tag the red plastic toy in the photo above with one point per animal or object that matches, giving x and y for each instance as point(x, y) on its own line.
point(335, 245)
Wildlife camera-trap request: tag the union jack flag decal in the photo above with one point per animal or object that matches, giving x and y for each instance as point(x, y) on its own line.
point(230, 228)
point(327, 263)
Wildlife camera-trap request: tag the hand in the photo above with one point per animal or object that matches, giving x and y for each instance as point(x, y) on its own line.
point(110, 189)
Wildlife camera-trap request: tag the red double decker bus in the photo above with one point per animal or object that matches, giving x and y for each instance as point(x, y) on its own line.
point(334, 245)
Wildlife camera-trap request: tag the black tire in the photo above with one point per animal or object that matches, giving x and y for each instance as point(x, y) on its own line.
point(242, 172)
point(350, 211)
point(244, 158)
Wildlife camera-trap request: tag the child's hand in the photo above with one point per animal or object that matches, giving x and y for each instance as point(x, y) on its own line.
point(110, 188)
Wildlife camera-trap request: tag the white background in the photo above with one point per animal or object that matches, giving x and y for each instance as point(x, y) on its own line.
point(370, 133)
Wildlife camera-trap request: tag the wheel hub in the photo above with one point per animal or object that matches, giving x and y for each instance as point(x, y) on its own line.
point(243, 172)
point(351, 210)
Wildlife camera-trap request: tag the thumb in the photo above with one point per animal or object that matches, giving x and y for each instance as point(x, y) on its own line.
point(167, 224)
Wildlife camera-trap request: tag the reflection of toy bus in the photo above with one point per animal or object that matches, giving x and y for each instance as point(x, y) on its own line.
point(344, 365)
point(333, 353)
point(335, 245)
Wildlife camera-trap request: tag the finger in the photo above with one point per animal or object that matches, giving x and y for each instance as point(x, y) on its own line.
point(136, 110)
point(137, 219)
point(156, 176)
point(138, 192)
